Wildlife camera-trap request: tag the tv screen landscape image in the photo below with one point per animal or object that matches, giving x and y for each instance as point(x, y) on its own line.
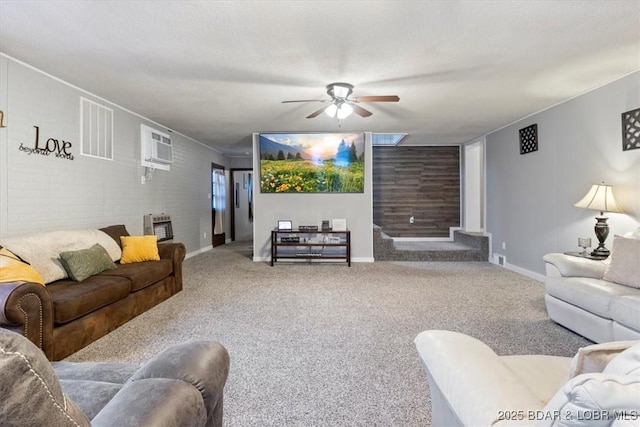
point(311, 162)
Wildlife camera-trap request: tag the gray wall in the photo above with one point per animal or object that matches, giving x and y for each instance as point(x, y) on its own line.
point(39, 193)
point(530, 197)
point(311, 209)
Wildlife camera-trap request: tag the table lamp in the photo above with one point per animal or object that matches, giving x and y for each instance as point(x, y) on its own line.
point(600, 198)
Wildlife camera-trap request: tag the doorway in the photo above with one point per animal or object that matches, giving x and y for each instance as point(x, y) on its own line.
point(242, 204)
point(218, 204)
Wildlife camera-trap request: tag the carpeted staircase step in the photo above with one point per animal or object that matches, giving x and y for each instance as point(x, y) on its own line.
point(465, 247)
point(434, 251)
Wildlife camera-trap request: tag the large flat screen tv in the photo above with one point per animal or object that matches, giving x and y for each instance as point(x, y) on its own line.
point(311, 162)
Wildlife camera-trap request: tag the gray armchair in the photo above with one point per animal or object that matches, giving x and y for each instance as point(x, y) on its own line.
point(181, 386)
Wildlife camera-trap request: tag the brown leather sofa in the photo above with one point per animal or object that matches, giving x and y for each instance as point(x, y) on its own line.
point(65, 316)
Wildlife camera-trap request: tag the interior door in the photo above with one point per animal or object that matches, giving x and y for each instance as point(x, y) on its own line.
point(218, 204)
point(242, 186)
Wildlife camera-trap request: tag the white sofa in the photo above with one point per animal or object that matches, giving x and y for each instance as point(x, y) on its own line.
point(470, 385)
point(599, 300)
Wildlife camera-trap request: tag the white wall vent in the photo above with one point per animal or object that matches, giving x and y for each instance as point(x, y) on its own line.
point(156, 146)
point(96, 130)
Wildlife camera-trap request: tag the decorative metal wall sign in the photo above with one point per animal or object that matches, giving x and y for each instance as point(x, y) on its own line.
point(631, 130)
point(529, 139)
point(61, 149)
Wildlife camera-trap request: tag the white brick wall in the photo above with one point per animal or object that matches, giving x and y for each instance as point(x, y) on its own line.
point(41, 193)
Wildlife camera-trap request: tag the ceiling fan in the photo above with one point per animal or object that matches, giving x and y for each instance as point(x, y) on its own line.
point(341, 105)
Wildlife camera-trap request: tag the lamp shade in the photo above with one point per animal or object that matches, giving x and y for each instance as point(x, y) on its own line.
point(599, 198)
point(331, 110)
point(344, 111)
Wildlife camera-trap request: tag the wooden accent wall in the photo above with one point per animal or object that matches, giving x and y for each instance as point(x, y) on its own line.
point(423, 182)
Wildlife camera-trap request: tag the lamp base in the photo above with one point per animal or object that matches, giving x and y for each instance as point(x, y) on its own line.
point(602, 231)
point(600, 253)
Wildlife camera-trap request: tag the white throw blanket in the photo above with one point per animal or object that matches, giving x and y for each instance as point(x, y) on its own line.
point(42, 250)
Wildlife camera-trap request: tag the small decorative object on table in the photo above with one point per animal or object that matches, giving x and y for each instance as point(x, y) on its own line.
point(339, 224)
point(285, 224)
point(584, 243)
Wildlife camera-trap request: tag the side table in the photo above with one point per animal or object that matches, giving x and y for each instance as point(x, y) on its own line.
point(586, 255)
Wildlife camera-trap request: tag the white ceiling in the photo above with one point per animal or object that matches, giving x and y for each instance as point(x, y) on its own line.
point(217, 71)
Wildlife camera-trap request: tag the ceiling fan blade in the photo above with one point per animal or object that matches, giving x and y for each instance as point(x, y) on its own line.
point(316, 113)
point(305, 100)
point(377, 98)
point(361, 111)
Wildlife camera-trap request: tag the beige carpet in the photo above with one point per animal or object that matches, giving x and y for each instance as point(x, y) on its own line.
point(328, 345)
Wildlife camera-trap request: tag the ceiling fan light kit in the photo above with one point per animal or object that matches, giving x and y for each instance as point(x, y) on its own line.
point(341, 105)
point(341, 111)
point(339, 90)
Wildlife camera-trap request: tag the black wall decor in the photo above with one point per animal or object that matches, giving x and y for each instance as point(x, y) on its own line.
point(631, 130)
point(529, 139)
point(61, 149)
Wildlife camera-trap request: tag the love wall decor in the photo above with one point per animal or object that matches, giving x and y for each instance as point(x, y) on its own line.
point(59, 148)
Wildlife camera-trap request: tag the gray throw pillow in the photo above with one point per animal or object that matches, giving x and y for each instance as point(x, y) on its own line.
point(85, 263)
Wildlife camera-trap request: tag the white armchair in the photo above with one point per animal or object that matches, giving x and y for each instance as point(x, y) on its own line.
point(471, 385)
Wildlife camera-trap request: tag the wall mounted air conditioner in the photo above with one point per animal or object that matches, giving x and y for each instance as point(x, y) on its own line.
point(156, 146)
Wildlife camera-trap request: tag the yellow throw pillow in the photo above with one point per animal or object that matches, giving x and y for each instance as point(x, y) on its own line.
point(139, 248)
point(12, 269)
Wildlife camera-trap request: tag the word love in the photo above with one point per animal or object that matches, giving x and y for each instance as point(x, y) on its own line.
point(59, 148)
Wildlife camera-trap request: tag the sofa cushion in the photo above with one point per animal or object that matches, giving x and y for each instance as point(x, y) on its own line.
point(592, 400)
point(13, 269)
point(625, 363)
point(624, 268)
point(75, 299)
point(110, 372)
point(142, 274)
point(626, 311)
point(90, 396)
point(634, 234)
point(542, 374)
point(139, 248)
point(85, 263)
point(595, 358)
point(569, 266)
point(115, 232)
point(593, 295)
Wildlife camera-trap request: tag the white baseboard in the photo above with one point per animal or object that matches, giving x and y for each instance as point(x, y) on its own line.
point(198, 252)
point(422, 239)
point(355, 259)
point(362, 259)
point(531, 274)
